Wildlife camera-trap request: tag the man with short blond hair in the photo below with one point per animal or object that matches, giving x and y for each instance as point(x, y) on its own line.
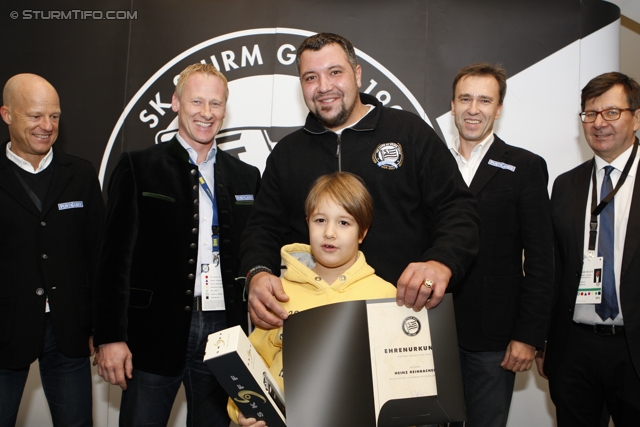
point(169, 261)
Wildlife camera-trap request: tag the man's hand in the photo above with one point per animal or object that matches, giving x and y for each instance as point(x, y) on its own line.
point(519, 357)
point(540, 363)
point(114, 361)
point(92, 349)
point(265, 311)
point(249, 422)
point(412, 291)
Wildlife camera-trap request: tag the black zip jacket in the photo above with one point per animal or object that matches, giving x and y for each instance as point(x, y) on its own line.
point(423, 209)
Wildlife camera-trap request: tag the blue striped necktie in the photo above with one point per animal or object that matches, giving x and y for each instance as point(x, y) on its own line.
point(608, 307)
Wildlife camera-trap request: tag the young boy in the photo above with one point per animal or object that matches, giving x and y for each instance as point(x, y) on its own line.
point(331, 269)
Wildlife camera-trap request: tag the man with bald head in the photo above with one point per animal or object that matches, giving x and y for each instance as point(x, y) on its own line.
point(51, 214)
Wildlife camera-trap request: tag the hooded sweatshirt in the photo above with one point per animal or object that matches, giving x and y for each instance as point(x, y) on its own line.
point(307, 290)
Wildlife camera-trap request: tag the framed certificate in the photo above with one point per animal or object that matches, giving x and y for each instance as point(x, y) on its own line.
point(372, 363)
point(401, 353)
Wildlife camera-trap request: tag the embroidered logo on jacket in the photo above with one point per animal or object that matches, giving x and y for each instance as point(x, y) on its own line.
point(388, 155)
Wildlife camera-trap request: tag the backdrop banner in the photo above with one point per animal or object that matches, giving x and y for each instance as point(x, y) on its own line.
point(115, 63)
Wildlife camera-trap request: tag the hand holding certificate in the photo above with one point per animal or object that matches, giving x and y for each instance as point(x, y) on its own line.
point(372, 363)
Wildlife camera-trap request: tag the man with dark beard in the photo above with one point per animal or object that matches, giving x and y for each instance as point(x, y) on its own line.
point(425, 228)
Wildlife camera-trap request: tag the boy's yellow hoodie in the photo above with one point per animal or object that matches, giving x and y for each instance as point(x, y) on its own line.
point(307, 290)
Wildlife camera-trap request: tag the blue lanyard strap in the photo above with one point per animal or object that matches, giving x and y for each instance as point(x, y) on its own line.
point(215, 231)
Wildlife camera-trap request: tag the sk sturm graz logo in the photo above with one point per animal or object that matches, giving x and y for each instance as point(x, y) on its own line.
point(411, 326)
point(265, 100)
point(388, 155)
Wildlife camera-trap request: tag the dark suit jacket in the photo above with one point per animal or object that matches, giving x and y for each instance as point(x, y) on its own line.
point(50, 253)
point(496, 302)
point(568, 204)
point(147, 267)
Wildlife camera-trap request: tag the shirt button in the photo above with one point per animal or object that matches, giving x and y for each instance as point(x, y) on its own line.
point(187, 308)
point(39, 291)
point(195, 188)
point(191, 276)
point(342, 278)
point(195, 202)
point(195, 216)
point(191, 261)
point(189, 292)
point(43, 224)
point(193, 245)
point(194, 231)
point(317, 278)
point(194, 171)
point(45, 256)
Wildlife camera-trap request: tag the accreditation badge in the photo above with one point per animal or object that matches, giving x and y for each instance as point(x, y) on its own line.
point(590, 287)
point(211, 285)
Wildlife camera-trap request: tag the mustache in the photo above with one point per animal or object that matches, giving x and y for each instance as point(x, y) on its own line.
point(333, 94)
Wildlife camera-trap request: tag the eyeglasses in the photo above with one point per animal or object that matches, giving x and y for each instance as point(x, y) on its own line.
point(608, 115)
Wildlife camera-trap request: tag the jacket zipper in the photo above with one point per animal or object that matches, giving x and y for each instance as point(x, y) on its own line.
point(339, 154)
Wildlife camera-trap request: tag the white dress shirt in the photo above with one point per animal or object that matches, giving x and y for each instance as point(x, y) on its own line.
point(205, 215)
point(25, 165)
point(469, 167)
point(586, 313)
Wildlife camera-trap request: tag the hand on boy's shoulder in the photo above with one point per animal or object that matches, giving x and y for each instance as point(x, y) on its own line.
point(264, 309)
point(423, 284)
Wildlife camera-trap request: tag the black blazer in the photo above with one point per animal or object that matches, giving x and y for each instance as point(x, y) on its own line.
point(568, 204)
point(50, 253)
point(147, 266)
point(496, 303)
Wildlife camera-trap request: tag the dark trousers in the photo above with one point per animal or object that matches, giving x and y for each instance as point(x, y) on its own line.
point(149, 397)
point(596, 371)
point(487, 388)
point(66, 382)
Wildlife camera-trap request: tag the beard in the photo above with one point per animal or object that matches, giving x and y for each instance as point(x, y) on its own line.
point(339, 119)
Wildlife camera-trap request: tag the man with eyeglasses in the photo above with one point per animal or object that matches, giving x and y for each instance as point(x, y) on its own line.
point(592, 358)
point(501, 305)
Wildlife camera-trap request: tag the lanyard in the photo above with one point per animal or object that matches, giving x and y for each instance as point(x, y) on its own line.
point(215, 229)
point(596, 210)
